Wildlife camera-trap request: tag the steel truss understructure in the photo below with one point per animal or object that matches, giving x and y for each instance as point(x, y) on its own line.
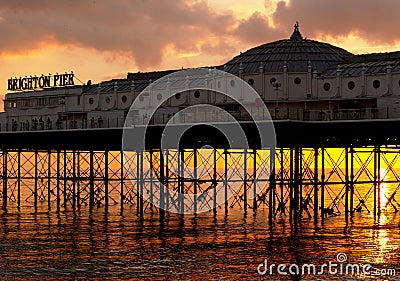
point(304, 182)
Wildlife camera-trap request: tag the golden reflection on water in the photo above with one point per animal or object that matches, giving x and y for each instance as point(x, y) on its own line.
point(382, 233)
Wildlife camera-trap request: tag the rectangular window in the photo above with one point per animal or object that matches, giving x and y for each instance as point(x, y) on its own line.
point(79, 100)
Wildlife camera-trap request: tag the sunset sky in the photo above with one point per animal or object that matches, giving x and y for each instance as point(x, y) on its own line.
point(104, 39)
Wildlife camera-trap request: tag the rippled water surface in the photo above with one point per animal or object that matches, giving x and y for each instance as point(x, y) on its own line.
point(94, 246)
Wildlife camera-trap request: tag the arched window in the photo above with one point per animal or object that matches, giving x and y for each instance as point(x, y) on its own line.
point(376, 84)
point(351, 85)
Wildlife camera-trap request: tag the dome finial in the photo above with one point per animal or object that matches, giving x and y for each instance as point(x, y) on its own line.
point(296, 35)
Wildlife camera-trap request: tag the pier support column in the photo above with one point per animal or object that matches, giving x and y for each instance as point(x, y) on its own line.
point(106, 193)
point(35, 192)
point(73, 180)
point(78, 179)
point(5, 181)
point(19, 179)
point(162, 186)
point(226, 153)
point(65, 180)
point(49, 191)
point(297, 183)
point(196, 182)
point(272, 188)
point(255, 180)
point(281, 207)
point(141, 183)
point(180, 176)
point(291, 183)
point(299, 180)
point(151, 175)
point(215, 182)
point(166, 180)
point(351, 180)
point(322, 184)
point(347, 187)
point(58, 181)
point(379, 180)
point(91, 179)
point(375, 180)
point(315, 185)
point(245, 180)
point(122, 196)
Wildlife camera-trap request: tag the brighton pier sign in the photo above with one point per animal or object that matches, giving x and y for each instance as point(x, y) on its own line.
point(40, 82)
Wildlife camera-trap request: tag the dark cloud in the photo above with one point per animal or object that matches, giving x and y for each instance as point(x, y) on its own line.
point(375, 21)
point(144, 28)
point(256, 30)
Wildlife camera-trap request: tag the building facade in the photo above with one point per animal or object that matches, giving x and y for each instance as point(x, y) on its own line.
point(297, 78)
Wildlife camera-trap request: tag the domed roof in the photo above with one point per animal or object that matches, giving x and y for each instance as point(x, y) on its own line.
point(296, 53)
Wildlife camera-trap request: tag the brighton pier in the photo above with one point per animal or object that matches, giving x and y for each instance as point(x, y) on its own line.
point(335, 117)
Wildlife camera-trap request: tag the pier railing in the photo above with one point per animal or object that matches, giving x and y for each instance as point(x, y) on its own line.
point(283, 113)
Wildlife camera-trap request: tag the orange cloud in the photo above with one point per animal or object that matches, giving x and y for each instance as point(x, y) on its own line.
point(142, 28)
point(373, 21)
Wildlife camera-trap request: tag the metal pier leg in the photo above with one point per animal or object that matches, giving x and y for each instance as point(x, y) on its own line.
point(19, 179)
point(296, 187)
point(35, 192)
point(272, 187)
point(151, 178)
point(375, 180)
point(281, 206)
point(5, 167)
point(73, 181)
point(272, 167)
point(299, 200)
point(137, 183)
point(215, 181)
point(58, 181)
point(106, 181)
point(196, 182)
point(78, 179)
point(141, 183)
point(226, 180)
point(245, 181)
point(291, 183)
point(91, 180)
point(322, 184)
point(122, 182)
point(162, 186)
point(180, 175)
point(166, 180)
point(346, 202)
point(315, 185)
point(49, 180)
point(65, 179)
point(351, 180)
point(255, 180)
point(379, 181)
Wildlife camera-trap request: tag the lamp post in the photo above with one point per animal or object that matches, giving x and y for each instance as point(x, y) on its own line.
point(276, 85)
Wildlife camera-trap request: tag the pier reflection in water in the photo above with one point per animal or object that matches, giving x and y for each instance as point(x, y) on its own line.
point(94, 245)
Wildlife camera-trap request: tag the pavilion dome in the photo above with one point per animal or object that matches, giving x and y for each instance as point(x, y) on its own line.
point(297, 53)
